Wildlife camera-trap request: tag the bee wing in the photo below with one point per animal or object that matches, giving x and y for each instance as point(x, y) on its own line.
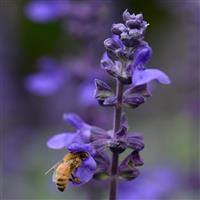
point(53, 167)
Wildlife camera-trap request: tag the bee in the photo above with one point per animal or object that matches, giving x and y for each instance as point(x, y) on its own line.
point(64, 169)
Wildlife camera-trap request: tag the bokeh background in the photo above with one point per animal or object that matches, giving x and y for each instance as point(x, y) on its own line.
point(73, 43)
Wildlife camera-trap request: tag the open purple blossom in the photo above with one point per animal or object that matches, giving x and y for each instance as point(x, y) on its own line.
point(48, 79)
point(87, 169)
point(141, 75)
point(75, 143)
point(64, 140)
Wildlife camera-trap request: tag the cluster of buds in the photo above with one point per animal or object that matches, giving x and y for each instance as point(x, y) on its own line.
point(132, 31)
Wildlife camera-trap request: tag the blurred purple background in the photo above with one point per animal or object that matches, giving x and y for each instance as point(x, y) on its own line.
point(50, 54)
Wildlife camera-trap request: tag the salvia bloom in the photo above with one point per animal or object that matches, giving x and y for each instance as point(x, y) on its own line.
point(125, 61)
point(49, 78)
point(75, 12)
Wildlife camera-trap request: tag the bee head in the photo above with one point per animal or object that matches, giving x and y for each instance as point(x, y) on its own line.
point(83, 155)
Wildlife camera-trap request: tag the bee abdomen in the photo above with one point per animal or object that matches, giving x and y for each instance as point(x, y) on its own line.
point(61, 184)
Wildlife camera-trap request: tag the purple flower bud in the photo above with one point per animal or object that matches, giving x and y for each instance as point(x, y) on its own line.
point(133, 23)
point(134, 102)
point(139, 16)
point(130, 41)
point(141, 89)
point(131, 161)
point(110, 101)
point(111, 44)
point(102, 91)
point(114, 48)
point(127, 16)
point(135, 141)
point(108, 65)
point(117, 29)
point(136, 34)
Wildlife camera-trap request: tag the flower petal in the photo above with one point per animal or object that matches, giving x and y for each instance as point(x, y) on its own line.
point(81, 147)
point(61, 140)
point(141, 77)
point(142, 55)
point(86, 171)
point(83, 128)
point(74, 120)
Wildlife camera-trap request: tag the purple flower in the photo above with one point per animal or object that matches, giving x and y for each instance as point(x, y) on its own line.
point(45, 11)
point(76, 13)
point(144, 76)
point(141, 75)
point(87, 169)
point(64, 140)
point(48, 80)
point(86, 94)
point(76, 142)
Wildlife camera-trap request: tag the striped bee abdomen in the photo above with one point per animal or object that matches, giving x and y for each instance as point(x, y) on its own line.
point(61, 183)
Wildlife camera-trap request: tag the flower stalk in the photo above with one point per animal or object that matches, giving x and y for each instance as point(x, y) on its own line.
point(117, 125)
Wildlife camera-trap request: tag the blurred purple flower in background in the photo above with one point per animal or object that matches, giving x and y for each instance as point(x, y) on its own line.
point(43, 11)
point(155, 183)
point(76, 14)
point(49, 78)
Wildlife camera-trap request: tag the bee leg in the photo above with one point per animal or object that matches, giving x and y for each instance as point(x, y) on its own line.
point(75, 179)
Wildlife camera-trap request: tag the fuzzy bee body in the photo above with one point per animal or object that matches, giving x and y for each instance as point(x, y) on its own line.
point(63, 170)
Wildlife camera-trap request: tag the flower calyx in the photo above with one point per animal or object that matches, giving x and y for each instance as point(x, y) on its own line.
point(104, 93)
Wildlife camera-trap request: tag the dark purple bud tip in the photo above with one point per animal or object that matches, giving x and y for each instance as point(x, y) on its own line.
point(129, 174)
point(117, 29)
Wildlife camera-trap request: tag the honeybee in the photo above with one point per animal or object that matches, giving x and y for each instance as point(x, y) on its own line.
point(64, 169)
